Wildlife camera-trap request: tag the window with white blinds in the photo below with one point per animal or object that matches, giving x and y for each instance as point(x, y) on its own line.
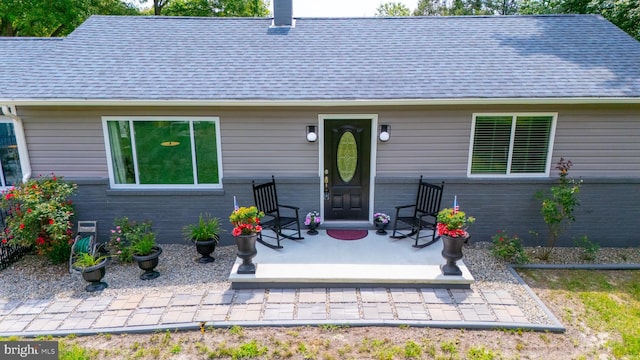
point(511, 144)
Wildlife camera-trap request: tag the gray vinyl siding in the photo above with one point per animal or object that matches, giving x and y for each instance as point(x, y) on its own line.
point(431, 143)
point(70, 142)
point(601, 141)
point(67, 142)
point(268, 140)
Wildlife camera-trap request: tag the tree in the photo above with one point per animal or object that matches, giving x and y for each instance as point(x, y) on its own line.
point(531, 7)
point(431, 8)
point(187, 8)
point(506, 7)
point(242, 8)
point(54, 18)
point(455, 7)
point(392, 9)
point(158, 5)
point(221, 8)
point(625, 14)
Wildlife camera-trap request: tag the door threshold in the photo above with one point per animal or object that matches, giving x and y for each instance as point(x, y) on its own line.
point(347, 224)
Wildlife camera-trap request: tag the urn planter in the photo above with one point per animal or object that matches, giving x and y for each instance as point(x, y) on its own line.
point(204, 234)
point(246, 252)
point(205, 248)
point(452, 252)
point(312, 228)
point(93, 275)
point(148, 263)
point(380, 226)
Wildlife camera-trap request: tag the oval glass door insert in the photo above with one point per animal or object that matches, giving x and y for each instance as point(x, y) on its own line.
point(347, 156)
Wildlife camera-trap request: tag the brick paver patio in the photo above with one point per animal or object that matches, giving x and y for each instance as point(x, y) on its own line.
point(271, 306)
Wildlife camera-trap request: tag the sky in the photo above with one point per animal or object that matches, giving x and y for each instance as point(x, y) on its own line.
point(341, 8)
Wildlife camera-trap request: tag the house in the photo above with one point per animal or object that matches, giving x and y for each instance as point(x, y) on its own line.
point(162, 118)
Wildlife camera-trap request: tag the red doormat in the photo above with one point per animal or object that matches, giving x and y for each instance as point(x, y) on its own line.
point(344, 234)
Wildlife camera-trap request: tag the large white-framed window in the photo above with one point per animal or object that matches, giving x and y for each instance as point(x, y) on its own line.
point(163, 151)
point(9, 155)
point(511, 144)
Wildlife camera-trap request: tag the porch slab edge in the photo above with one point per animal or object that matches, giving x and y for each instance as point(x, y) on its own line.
point(237, 285)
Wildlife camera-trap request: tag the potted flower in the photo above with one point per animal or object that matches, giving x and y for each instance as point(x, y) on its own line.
point(92, 269)
point(452, 227)
point(246, 226)
point(145, 252)
point(204, 234)
point(124, 233)
point(381, 220)
point(312, 221)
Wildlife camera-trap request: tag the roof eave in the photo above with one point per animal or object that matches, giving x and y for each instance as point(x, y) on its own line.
point(321, 102)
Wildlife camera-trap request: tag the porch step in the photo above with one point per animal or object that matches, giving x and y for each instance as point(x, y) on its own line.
point(375, 261)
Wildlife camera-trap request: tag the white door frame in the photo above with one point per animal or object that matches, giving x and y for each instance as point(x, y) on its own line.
point(373, 154)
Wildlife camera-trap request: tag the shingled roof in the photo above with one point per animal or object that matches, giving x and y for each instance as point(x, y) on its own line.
point(325, 59)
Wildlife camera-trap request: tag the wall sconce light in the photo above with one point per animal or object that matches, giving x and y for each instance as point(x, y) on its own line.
point(312, 135)
point(384, 133)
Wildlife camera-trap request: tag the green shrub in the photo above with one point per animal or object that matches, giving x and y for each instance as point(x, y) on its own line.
point(480, 353)
point(41, 215)
point(508, 247)
point(412, 350)
point(558, 205)
point(207, 228)
point(144, 245)
point(124, 235)
point(590, 248)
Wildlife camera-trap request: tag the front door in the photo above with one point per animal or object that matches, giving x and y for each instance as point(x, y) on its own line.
point(347, 160)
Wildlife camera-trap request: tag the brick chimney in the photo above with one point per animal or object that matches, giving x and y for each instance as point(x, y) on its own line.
point(283, 12)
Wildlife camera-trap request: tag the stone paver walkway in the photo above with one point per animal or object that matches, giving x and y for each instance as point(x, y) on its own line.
point(341, 306)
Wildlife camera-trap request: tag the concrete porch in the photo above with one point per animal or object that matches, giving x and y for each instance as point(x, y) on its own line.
point(374, 261)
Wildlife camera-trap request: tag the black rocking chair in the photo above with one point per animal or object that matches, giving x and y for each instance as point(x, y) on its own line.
point(423, 215)
point(266, 200)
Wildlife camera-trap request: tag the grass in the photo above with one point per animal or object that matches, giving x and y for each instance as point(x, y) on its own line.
point(611, 301)
point(600, 308)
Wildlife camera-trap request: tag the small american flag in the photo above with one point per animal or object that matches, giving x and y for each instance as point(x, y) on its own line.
point(456, 208)
point(235, 204)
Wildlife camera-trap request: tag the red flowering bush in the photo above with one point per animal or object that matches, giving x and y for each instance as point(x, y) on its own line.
point(508, 247)
point(453, 223)
point(40, 216)
point(246, 221)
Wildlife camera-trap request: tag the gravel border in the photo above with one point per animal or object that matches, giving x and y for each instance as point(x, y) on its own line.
point(31, 278)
